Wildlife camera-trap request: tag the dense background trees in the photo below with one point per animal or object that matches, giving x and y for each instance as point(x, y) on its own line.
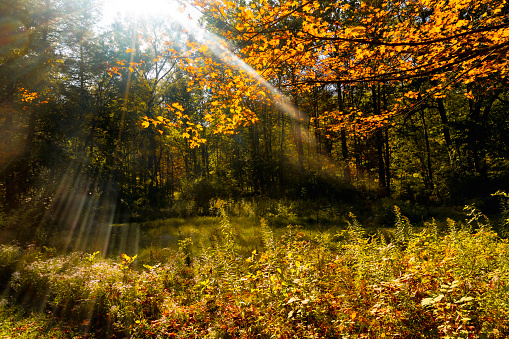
point(312, 100)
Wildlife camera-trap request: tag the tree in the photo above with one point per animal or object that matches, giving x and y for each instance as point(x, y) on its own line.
point(449, 42)
point(29, 83)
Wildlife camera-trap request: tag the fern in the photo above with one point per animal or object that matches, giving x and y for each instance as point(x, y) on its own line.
point(476, 220)
point(452, 229)
point(225, 256)
point(433, 228)
point(267, 235)
point(403, 227)
point(355, 230)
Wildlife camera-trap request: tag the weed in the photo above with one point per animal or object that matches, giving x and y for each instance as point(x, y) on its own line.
point(300, 285)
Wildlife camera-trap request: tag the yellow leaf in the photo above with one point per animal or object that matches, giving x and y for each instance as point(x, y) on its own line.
point(412, 95)
point(129, 50)
point(177, 106)
point(145, 124)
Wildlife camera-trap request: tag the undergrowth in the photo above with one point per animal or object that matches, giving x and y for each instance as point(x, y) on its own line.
point(417, 283)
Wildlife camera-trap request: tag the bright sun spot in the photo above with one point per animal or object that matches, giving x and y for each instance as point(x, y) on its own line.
point(146, 8)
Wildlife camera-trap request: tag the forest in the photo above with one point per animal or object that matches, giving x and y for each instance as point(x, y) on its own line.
point(254, 168)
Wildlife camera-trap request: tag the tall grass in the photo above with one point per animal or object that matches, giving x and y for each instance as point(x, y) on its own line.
point(418, 283)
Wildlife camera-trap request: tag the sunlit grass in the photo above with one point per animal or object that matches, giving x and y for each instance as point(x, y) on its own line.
point(160, 236)
point(238, 277)
point(204, 232)
point(17, 322)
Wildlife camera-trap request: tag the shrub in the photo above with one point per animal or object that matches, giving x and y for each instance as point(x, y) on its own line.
point(9, 258)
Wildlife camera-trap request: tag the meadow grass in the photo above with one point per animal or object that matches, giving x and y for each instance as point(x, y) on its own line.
point(18, 322)
point(204, 232)
point(434, 281)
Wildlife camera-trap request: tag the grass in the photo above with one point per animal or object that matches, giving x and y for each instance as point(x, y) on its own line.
point(156, 237)
point(434, 281)
point(17, 322)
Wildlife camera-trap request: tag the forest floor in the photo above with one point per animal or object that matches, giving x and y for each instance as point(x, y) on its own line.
point(246, 277)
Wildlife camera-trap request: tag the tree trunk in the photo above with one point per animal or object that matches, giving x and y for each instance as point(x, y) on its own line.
point(380, 142)
point(297, 136)
point(347, 175)
point(428, 182)
point(387, 159)
point(445, 129)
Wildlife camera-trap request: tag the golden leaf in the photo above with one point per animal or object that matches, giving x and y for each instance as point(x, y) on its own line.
point(177, 106)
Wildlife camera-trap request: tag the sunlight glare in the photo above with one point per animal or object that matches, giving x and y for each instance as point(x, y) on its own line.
point(144, 8)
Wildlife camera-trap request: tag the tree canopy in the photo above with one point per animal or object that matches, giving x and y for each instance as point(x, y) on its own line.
point(306, 99)
point(301, 45)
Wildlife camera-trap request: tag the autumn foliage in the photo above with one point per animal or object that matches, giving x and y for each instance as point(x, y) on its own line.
point(297, 46)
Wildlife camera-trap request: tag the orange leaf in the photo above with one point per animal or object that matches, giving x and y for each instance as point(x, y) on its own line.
point(177, 106)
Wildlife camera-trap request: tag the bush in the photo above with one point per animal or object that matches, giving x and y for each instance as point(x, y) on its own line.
point(203, 190)
point(9, 258)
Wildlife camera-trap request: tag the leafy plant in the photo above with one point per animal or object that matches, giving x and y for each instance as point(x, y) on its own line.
point(347, 284)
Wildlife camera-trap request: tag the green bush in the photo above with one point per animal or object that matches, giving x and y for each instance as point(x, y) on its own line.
point(9, 258)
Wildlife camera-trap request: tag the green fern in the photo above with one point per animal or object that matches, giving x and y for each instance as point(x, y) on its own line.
point(476, 219)
point(355, 230)
point(403, 227)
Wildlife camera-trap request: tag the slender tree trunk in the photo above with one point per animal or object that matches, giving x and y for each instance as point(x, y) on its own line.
point(82, 70)
point(381, 165)
point(445, 128)
point(347, 175)
point(387, 160)
point(429, 183)
point(297, 131)
point(380, 141)
point(204, 154)
point(359, 166)
point(281, 149)
point(477, 133)
point(297, 136)
point(256, 158)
